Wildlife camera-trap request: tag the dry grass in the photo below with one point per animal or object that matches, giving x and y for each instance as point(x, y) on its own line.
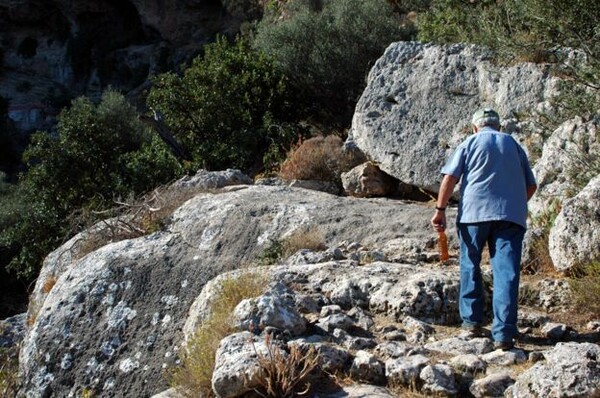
point(318, 158)
point(285, 376)
point(9, 371)
point(586, 289)
point(49, 284)
point(194, 377)
point(132, 218)
point(542, 262)
point(305, 238)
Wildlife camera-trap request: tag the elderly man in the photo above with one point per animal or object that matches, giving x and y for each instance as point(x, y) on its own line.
point(496, 183)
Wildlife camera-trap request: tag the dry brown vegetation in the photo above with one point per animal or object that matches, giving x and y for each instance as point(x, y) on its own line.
point(134, 218)
point(285, 375)
point(9, 371)
point(194, 377)
point(318, 158)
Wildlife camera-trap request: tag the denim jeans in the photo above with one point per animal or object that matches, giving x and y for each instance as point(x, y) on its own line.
point(505, 240)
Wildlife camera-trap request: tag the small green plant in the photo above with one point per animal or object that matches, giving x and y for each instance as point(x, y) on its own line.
point(586, 288)
point(194, 377)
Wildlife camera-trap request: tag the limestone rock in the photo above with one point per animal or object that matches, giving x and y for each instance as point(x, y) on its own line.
point(458, 346)
point(504, 358)
point(469, 363)
point(204, 179)
point(367, 368)
point(575, 237)
point(565, 159)
point(570, 369)
point(405, 370)
point(361, 391)
point(367, 180)
point(493, 385)
point(419, 99)
point(275, 308)
point(236, 364)
point(316, 185)
point(119, 311)
point(438, 379)
point(12, 330)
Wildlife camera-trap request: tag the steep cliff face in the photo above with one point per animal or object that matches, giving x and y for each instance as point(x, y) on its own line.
point(51, 50)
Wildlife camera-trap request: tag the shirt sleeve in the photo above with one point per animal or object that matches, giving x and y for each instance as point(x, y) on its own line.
point(455, 166)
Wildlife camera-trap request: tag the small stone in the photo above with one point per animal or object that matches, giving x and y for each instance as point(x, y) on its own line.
point(469, 363)
point(367, 368)
point(438, 379)
point(493, 385)
point(554, 331)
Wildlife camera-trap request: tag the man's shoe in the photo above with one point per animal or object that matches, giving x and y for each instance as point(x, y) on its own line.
point(473, 331)
point(504, 345)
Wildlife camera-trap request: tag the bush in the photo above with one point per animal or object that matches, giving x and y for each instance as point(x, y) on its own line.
point(194, 377)
point(102, 152)
point(326, 52)
point(318, 158)
point(527, 30)
point(227, 108)
point(586, 289)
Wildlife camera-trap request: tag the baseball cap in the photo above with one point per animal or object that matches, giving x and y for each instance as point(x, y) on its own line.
point(487, 114)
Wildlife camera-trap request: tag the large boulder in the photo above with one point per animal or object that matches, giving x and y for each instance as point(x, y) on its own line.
point(575, 238)
point(565, 161)
point(112, 321)
point(570, 370)
point(419, 100)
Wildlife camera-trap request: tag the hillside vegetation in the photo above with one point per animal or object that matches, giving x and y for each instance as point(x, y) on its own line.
point(243, 103)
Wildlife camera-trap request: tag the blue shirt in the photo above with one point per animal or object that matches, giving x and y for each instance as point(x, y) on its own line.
point(494, 173)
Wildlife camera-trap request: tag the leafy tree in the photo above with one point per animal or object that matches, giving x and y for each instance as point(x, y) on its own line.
point(101, 152)
point(229, 106)
point(327, 48)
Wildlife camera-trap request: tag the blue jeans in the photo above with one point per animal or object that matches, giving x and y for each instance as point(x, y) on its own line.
point(505, 241)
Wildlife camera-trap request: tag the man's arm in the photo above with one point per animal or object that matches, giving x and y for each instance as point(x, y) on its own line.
point(530, 191)
point(439, 219)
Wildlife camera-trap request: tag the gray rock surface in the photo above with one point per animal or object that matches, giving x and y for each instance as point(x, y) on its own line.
point(12, 330)
point(419, 100)
point(204, 179)
point(493, 385)
point(119, 311)
point(570, 370)
point(459, 345)
point(575, 238)
point(276, 308)
point(366, 367)
point(405, 370)
point(236, 364)
point(565, 159)
point(367, 180)
point(439, 379)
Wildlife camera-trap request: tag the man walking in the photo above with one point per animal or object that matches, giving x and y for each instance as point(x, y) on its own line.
point(496, 182)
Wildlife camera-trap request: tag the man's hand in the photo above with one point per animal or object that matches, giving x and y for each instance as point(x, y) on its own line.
point(439, 221)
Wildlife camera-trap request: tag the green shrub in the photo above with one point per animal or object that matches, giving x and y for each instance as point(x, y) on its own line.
point(326, 52)
point(526, 30)
point(228, 107)
point(586, 289)
point(102, 152)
